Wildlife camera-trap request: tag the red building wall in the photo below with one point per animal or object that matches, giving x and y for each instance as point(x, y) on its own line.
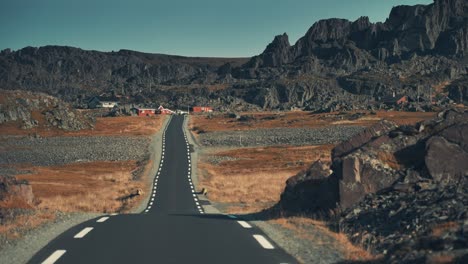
point(202, 109)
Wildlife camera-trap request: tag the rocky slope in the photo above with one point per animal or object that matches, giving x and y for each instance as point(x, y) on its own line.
point(402, 190)
point(337, 65)
point(28, 110)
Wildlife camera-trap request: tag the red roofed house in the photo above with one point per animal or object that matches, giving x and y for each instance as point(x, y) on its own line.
point(202, 109)
point(165, 111)
point(146, 111)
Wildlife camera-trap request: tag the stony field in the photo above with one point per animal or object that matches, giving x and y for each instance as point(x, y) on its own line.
point(51, 151)
point(278, 136)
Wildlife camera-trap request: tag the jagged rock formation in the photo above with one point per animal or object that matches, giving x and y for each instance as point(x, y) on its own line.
point(28, 110)
point(337, 65)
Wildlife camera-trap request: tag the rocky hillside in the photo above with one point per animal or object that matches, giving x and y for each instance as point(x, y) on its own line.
point(28, 110)
point(402, 190)
point(420, 51)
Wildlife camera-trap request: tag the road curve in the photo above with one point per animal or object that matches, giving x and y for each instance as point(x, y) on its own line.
point(172, 229)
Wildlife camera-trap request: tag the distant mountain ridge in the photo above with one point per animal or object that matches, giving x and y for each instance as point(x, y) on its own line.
point(420, 51)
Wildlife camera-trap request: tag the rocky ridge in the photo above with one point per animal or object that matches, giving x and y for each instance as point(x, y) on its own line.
point(36, 109)
point(337, 65)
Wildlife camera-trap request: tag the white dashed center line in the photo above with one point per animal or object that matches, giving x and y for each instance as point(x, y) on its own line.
point(54, 257)
point(244, 224)
point(83, 232)
point(263, 242)
point(102, 219)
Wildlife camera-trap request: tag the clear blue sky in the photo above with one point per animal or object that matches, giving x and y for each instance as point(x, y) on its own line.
point(214, 28)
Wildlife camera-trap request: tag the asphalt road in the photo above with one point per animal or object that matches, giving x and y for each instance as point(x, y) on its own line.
point(172, 229)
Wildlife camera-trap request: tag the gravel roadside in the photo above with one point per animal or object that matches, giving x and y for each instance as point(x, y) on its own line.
point(22, 250)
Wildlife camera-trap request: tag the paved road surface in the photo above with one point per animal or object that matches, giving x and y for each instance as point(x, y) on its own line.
point(172, 229)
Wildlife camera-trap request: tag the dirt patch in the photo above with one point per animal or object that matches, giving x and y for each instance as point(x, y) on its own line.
point(105, 126)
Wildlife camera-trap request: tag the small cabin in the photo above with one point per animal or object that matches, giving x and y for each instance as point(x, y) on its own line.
point(165, 111)
point(202, 109)
point(109, 104)
point(102, 102)
point(146, 111)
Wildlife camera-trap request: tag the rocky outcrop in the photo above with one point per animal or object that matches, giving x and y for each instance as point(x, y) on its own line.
point(15, 194)
point(458, 90)
point(402, 190)
point(310, 191)
point(29, 110)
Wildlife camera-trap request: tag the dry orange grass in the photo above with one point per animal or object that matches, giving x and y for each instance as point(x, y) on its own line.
point(105, 126)
point(257, 176)
point(300, 119)
point(84, 187)
point(304, 228)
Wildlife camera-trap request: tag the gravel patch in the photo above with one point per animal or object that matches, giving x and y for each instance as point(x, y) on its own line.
point(279, 136)
point(63, 150)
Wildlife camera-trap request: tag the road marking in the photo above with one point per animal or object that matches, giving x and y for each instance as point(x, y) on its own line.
point(83, 232)
point(151, 203)
point(114, 214)
point(199, 207)
point(244, 224)
point(232, 216)
point(194, 195)
point(54, 256)
point(263, 242)
point(197, 203)
point(146, 210)
point(102, 219)
point(152, 199)
point(195, 199)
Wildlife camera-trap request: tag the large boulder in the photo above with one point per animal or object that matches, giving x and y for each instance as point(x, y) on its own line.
point(15, 194)
point(447, 155)
point(311, 191)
